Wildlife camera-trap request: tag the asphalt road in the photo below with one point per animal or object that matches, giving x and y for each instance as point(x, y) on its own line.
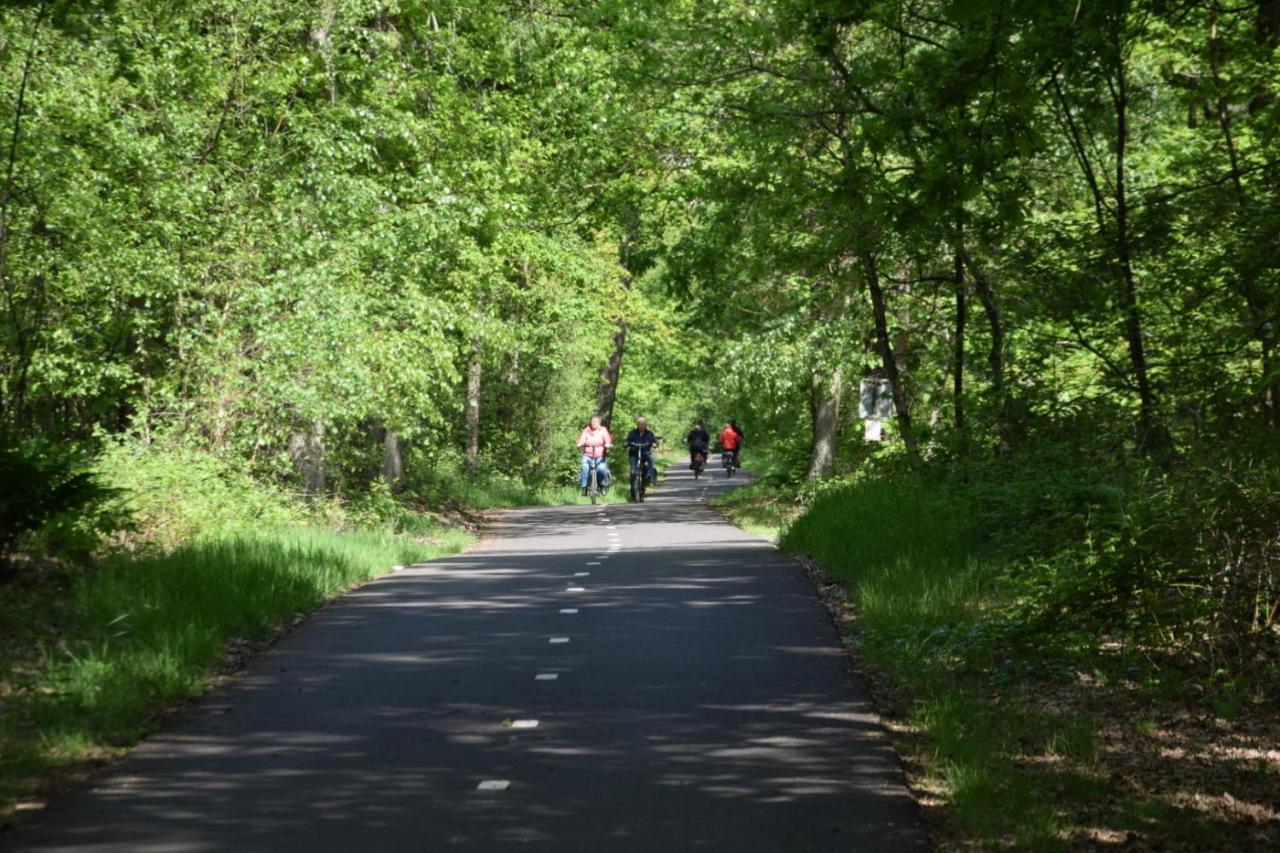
point(629, 678)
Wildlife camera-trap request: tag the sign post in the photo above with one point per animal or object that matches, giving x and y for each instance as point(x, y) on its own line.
point(875, 405)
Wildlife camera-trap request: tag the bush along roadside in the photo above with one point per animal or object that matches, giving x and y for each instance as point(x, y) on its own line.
point(213, 566)
point(1031, 640)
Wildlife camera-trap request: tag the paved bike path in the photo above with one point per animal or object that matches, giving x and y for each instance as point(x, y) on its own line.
point(700, 701)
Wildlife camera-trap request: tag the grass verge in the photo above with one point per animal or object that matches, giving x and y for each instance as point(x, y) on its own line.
point(114, 646)
point(1014, 739)
point(765, 506)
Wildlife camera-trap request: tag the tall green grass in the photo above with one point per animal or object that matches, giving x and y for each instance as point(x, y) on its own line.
point(141, 633)
point(922, 588)
point(905, 546)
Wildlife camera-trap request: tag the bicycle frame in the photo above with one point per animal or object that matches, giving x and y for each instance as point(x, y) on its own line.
point(640, 479)
point(593, 481)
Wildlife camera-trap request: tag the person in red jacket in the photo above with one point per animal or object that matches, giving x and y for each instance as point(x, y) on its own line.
point(731, 439)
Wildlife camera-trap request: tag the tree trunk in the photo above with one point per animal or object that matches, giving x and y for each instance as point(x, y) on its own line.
point(13, 397)
point(607, 390)
point(957, 361)
point(1261, 328)
point(1149, 432)
point(306, 448)
point(1114, 234)
point(995, 358)
point(392, 460)
point(825, 394)
point(474, 373)
point(888, 357)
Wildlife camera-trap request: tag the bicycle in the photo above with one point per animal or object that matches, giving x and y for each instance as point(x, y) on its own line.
point(699, 462)
point(640, 477)
point(594, 490)
point(729, 459)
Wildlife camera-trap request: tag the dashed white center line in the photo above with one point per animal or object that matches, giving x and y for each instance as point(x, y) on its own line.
point(581, 574)
point(593, 562)
point(576, 589)
point(546, 676)
point(494, 785)
point(568, 611)
point(555, 641)
point(524, 724)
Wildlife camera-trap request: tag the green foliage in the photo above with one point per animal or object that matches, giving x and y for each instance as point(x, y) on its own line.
point(231, 224)
point(992, 577)
point(48, 490)
point(260, 240)
point(176, 493)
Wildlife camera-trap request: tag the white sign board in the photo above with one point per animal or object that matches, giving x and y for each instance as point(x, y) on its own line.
point(876, 399)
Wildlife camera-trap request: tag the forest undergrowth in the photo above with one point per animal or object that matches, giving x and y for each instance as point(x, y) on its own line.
point(195, 567)
point(1045, 694)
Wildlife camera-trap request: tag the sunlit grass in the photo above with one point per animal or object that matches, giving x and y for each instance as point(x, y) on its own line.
point(918, 585)
point(139, 634)
point(761, 507)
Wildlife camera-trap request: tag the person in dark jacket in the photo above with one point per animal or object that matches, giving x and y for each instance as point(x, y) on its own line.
point(698, 440)
point(640, 442)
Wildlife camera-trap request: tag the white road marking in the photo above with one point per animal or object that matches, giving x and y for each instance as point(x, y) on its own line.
point(555, 641)
point(576, 589)
point(546, 676)
point(593, 562)
point(524, 724)
point(494, 785)
point(569, 611)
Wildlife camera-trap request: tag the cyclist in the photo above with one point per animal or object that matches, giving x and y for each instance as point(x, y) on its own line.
point(731, 441)
point(640, 442)
point(698, 440)
point(594, 441)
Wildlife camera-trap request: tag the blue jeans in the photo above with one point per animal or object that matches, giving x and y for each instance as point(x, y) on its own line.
point(648, 457)
point(602, 471)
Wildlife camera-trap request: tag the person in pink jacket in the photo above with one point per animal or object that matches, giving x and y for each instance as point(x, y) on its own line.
point(594, 441)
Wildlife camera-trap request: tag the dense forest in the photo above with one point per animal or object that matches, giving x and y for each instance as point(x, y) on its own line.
point(366, 257)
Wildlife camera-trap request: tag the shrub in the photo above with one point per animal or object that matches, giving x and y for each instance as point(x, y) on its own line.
point(177, 493)
point(46, 488)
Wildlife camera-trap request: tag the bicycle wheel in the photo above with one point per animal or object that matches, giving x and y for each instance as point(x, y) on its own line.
point(593, 488)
